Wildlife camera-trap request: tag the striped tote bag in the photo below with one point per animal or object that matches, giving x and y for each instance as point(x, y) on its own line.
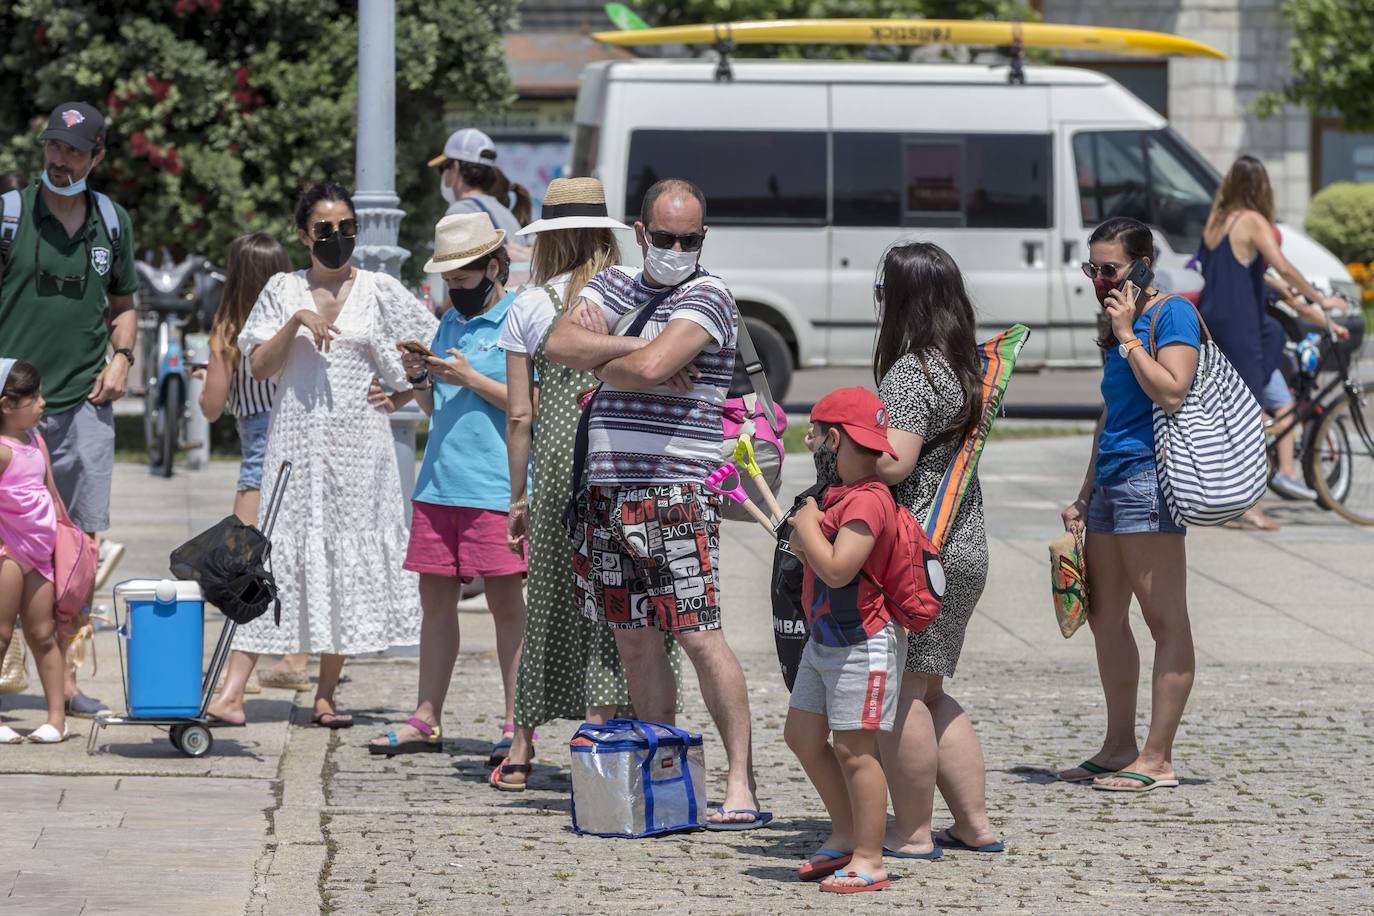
point(1210, 453)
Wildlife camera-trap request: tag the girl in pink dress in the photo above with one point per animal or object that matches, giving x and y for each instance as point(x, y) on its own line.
point(28, 535)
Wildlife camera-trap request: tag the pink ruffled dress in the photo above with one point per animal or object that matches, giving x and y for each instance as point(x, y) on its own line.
point(28, 518)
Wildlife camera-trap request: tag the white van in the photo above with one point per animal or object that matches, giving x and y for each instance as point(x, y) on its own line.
point(811, 168)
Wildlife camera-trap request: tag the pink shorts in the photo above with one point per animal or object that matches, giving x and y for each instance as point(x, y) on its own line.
point(462, 542)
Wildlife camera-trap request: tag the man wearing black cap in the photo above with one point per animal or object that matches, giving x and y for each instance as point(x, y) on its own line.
point(66, 305)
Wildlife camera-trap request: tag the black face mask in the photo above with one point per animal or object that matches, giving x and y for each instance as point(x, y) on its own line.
point(827, 462)
point(471, 302)
point(334, 251)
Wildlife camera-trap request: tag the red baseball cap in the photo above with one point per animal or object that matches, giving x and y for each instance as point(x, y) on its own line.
point(860, 413)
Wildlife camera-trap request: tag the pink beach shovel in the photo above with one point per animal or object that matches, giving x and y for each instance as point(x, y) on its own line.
point(717, 478)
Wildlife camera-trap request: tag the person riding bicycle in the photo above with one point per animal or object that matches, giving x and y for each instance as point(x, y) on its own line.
point(67, 255)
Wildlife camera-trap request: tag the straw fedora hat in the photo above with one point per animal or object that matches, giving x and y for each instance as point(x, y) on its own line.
point(461, 239)
point(573, 203)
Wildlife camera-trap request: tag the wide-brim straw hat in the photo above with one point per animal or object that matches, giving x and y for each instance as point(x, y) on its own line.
point(462, 238)
point(573, 203)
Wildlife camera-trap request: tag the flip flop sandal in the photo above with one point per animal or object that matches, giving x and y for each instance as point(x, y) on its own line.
point(1094, 771)
point(46, 734)
point(429, 744)
point(946, 838)
point(936, 853)
point(505, 768)
point(870, 884)
point(341, 720)
point(815, 871)
point(1146, 783)
point(759, 819)
point(216, 722)
point(10, 736)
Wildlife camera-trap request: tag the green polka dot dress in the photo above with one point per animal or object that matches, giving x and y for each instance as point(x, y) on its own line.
point(568, 662)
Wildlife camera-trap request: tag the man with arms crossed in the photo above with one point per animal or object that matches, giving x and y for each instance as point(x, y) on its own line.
point(646, 548)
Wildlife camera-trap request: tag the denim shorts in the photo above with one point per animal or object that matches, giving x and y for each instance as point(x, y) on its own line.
point(1275, 394)
point(1135, 505)
point(253, 441)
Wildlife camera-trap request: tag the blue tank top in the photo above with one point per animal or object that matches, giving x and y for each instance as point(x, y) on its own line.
point(1232, 304)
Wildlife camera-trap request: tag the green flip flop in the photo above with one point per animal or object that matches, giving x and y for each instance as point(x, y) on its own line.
point(1094, 771)
point(1147, 784)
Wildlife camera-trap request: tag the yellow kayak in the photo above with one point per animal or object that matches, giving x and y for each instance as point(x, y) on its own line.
point(920, 32)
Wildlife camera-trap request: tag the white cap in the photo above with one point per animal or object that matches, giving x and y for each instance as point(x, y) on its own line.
point(467, 145)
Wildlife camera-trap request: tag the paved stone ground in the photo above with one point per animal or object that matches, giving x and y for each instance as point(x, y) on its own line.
point(283, 819)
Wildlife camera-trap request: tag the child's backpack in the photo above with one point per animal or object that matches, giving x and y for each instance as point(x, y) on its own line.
point(914, 584)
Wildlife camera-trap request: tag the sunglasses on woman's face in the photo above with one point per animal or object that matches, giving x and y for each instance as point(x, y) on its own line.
point(324, 229)
point(1107, 271)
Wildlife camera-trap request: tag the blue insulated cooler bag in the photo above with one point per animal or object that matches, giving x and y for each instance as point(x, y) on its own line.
point(634, 779)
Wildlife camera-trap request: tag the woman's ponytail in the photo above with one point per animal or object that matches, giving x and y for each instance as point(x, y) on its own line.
point(522, 206)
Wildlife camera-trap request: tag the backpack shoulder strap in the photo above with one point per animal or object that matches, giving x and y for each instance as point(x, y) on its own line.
point(758, 379)
point(11, 212)
point(110, 217)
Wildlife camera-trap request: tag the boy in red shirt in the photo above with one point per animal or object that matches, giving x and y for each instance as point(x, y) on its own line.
point(850, 673)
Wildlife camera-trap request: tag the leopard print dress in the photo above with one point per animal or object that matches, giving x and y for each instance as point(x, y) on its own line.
point(924, 399)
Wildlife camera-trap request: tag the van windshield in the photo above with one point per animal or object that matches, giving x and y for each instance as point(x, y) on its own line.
point(1150, 175)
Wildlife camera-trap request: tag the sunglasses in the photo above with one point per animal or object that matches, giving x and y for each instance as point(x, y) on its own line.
point(666, 240)
point(324, 229)
point(1106, 271)
point(45, 276)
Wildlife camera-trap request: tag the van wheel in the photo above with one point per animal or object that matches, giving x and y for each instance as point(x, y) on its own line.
point(773, 353)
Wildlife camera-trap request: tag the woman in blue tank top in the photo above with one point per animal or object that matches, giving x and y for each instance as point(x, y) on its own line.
point(1239, 244)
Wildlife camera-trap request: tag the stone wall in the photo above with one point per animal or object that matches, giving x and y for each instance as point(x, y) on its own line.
point(1210, 101)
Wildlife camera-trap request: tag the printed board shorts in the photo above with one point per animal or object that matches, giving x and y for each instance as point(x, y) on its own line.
point(854, 687)
point(81, 442)
point(648, 555)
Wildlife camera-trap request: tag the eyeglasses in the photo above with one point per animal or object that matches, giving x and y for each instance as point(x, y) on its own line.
point(1106, 271)
point(666, 240)
point(324, 229)
point(62, 282)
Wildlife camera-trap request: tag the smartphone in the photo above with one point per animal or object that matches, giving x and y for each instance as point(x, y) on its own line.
point(414, 346)
point(1140, 276)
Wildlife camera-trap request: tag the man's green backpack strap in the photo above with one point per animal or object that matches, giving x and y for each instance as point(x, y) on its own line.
point(12, 213)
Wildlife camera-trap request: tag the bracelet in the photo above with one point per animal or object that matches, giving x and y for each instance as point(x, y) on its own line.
point(520, 503)
point(420, 380)
point(124, 352)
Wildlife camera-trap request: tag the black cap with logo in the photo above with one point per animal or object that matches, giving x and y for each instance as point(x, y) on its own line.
point(76, 124)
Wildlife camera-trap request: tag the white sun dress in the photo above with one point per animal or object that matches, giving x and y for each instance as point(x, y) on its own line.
point(341, 535)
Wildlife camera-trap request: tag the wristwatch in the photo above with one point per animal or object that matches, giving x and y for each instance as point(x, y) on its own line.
point(419, 381)
point(126, 353)
point(1126, 348)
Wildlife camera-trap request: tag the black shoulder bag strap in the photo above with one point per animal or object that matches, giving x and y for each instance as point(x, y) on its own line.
point(636, 327)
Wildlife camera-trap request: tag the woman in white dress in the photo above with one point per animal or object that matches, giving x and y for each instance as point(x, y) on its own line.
point(326, 334)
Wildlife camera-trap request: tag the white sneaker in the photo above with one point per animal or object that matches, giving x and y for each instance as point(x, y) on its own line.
point(111, 552)
point(1289, 488)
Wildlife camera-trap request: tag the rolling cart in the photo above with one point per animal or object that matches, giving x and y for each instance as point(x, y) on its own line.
point(164, 629)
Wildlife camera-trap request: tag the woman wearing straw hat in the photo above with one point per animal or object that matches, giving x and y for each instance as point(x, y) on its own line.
point(458, 529)
point(569, 666)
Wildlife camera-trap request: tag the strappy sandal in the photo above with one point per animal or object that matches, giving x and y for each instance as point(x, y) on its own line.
point(431, 743)
point(503, 768)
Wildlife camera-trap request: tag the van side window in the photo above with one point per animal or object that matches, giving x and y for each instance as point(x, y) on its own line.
point(1146, 175)
point(975, 181)
point(749, 176)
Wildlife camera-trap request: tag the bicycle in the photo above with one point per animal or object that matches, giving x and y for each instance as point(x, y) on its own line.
point(1334, 446)
point(173, 299)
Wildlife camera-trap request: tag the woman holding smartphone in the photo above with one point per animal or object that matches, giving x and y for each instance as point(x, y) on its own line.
point(1134, 547)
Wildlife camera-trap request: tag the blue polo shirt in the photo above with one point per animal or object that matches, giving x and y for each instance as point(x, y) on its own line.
point(465, 460)
point(1127, 441)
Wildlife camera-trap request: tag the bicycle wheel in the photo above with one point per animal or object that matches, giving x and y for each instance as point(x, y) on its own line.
point(169, 420)
point(1342, 466)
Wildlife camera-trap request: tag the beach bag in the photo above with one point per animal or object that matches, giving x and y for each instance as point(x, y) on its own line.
point(229, 561)
point(998, 357)
point(75, 561)
point(1069, 581)
point(635, 779)
point(14, 674)
point(1211, 453)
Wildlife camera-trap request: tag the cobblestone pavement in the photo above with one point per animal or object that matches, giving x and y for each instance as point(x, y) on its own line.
point(1272, 817)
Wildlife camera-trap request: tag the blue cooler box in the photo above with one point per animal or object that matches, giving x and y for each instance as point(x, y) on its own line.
point(165, 642)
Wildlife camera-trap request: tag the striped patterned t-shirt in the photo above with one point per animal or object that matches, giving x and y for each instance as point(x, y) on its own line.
point(660, 436)
point(248, 396)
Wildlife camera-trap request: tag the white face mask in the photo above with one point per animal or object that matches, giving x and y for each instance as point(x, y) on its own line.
point(71, 190)
point(670, 267)
point(450, 195)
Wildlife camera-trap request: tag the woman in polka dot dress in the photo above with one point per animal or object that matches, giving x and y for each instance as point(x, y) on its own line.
point(569, 667)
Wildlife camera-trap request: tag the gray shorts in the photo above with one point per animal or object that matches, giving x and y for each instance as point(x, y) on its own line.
point(81, 442)
point(854, 687)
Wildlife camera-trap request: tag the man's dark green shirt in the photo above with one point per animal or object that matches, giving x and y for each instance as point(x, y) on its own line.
point(53, 297)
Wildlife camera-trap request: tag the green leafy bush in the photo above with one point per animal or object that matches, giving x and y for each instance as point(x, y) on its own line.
point(1341, 217)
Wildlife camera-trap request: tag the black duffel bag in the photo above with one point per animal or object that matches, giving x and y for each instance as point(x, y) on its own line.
point(229, 561)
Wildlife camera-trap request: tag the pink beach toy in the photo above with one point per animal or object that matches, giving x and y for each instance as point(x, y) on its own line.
point(714, 482)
